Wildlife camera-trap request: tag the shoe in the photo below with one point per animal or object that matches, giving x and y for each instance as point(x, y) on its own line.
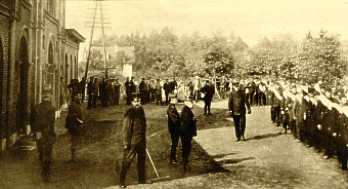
point(123, 186)
point(243, 138)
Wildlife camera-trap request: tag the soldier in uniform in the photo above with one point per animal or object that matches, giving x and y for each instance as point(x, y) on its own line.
point(276, 101)
point(43, 118)
point(73, 124)
point(174, 128)
point(342, 146)
point(188, 130)
point(134, 141)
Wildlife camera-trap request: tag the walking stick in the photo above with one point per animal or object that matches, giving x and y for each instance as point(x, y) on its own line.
point(155, 169)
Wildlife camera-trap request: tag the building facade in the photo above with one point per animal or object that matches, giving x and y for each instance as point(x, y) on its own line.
point(34, 44)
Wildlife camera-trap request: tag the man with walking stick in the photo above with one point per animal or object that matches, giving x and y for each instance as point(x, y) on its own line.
point(134, 141)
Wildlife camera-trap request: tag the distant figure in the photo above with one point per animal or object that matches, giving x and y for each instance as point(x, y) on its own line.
point(43, 118)
point(237, 105)
point(134, 141)
point(174, 128)
point(188, 130)
point(208, 91)
point(117, 93)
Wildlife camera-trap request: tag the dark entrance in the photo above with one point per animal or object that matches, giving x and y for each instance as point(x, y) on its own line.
point(21, 89)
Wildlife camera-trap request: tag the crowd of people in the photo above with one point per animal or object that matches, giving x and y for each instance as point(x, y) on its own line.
point(315, 114)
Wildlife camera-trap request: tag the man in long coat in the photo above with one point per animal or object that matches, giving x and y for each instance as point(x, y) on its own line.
point(237, 104)
point(188, 130)
point(208, 91)
point(174, 128)
point(73, 124)
point(42, 121)
point(134, 141)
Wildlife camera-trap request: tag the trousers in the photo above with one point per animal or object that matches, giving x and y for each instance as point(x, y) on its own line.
point(128, 157)
point(239, 125)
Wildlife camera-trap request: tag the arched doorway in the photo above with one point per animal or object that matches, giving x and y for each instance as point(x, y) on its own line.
point(21, 89)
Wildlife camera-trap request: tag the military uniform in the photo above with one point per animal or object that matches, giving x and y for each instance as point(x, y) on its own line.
point(43, 118)
point(342, 139)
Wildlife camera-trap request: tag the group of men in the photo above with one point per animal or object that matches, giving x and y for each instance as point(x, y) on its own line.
point(316, 114)
point(181, 127)
point(108, 92)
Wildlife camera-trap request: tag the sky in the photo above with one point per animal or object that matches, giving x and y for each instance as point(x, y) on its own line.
point(250, 19)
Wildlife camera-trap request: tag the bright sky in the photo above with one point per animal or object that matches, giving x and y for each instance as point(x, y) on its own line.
point(250, 19)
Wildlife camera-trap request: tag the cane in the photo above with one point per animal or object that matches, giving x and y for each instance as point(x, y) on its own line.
point(155, 169)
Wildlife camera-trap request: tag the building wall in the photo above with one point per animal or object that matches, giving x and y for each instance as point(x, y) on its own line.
point(4, 40)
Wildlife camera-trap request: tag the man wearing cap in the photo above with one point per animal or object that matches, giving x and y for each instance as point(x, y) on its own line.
point(237, 104)
point(188, 130)
point(134, 140)
point(42, 121)
point(174, 128)
point(208, 91)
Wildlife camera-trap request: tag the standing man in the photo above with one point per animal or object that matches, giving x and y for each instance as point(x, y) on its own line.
point(73, 124)
point(166, 87)
point(188, 130)
point(174, 128)
point(237, 104)
point(208, 91)
point(43, 118)
point(134, 141)
point(117, 92)
point(90, 92)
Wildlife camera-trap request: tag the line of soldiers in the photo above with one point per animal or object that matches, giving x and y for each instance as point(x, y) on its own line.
point(315, 114)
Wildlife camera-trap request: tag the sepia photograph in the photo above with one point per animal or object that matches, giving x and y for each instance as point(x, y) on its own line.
point(173, 94)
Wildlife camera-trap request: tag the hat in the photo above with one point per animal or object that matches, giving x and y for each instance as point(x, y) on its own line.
point(173, 100)
point(188, 104)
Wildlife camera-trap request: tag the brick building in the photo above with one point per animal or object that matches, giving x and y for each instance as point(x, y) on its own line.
point(36, 50)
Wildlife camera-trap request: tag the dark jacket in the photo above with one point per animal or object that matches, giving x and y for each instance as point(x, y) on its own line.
point(74, 119)
point(134, 127)
point(237, 102)
point(173, 119)
point(208, 91)
point(42, 120)
point(188, 123)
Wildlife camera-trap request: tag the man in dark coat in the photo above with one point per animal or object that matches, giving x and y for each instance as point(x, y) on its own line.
point(166, 88)
point(174, 128)
point(73, 124)
point(90, 91)
point(117, 92)
point(130, 88)
point(134, 141)
point(143, 91)
point(188, 130)
point(237, 104)
point(43, 118)
point(208, 91)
